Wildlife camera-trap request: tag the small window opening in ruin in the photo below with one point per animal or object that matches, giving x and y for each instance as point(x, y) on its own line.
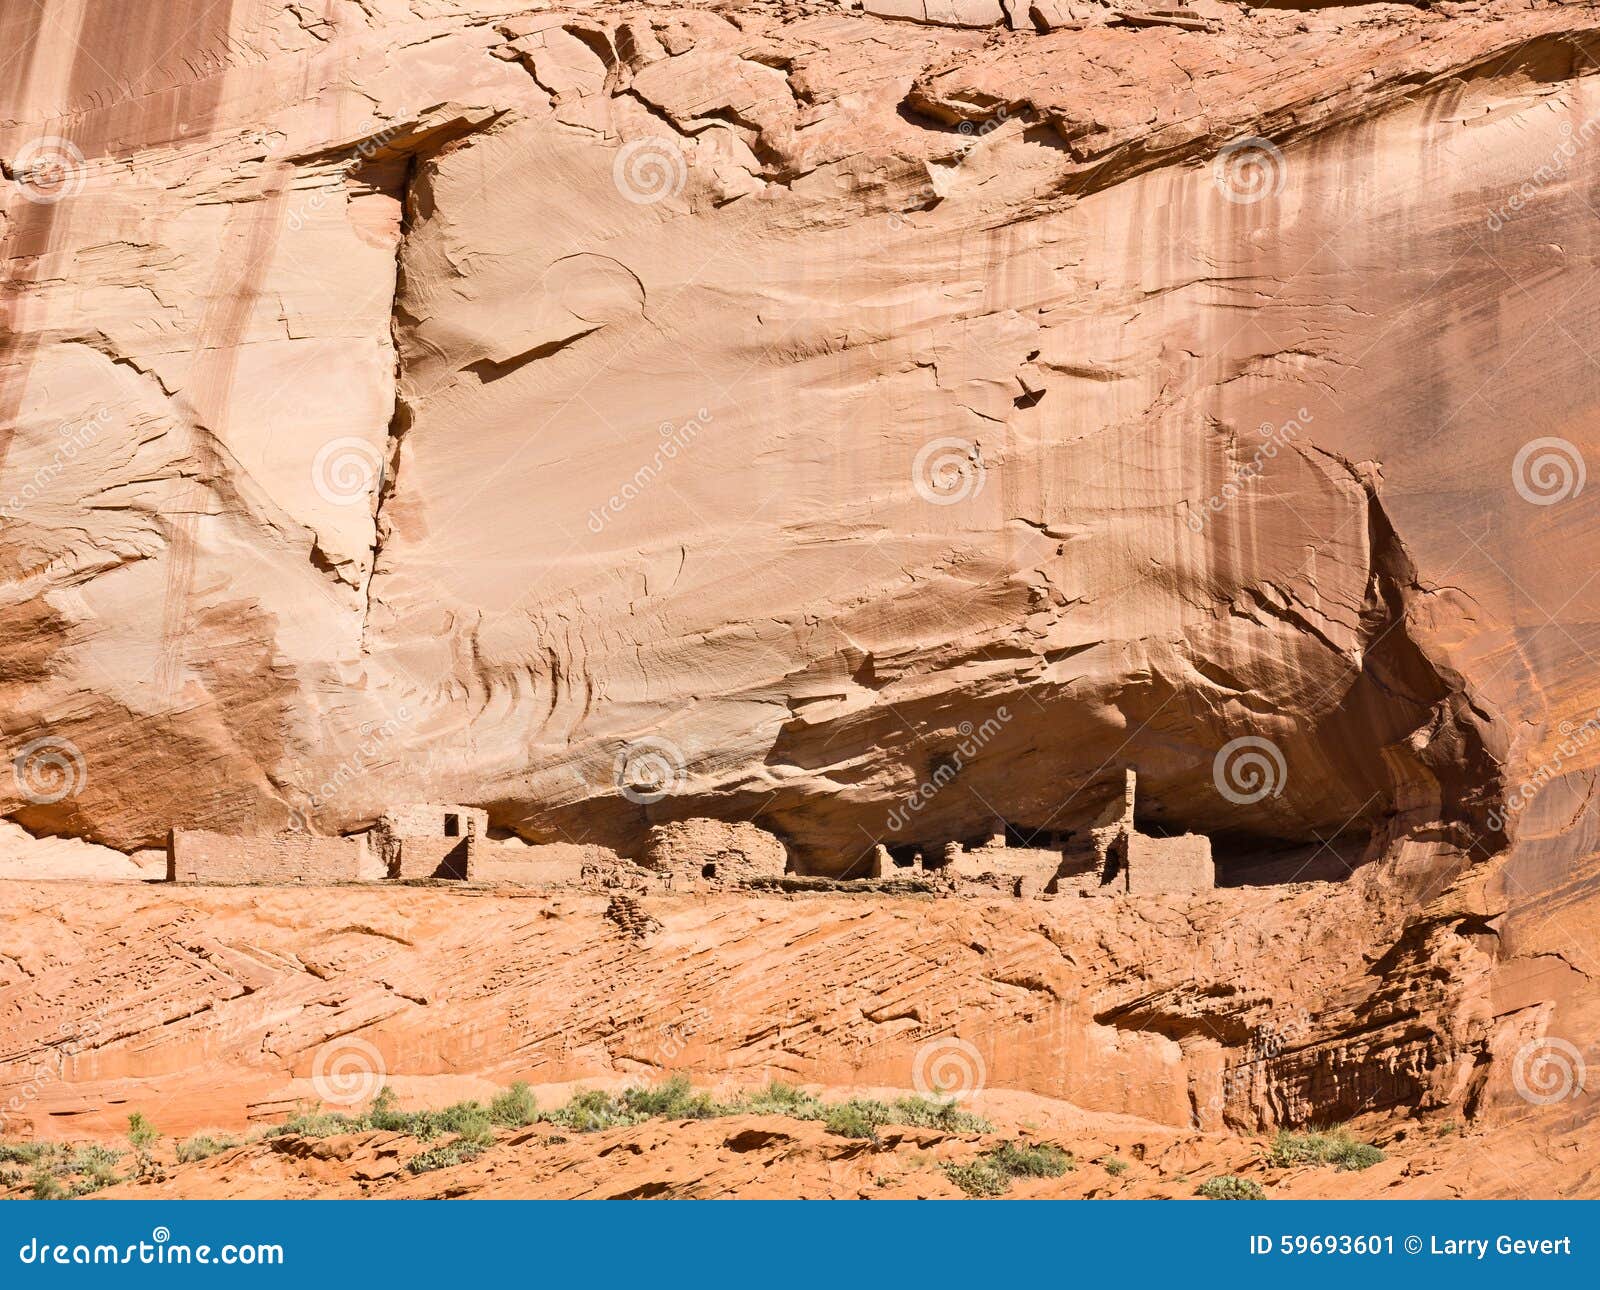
point(452, 826)
point(904, 857)
point(708, 871)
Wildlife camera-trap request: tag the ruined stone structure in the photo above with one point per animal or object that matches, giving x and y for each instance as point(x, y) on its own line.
point(689, 852)
point(1014, 871)
point(428, 840)
point(1143, 865)
point(194, 855)
point(442, 841)
point(413, 841)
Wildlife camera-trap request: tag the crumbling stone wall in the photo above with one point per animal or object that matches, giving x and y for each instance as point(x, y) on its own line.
point(1020, 871)
point(695, 851)
point(430, 840)
point(1168, 865)
point(194, 855)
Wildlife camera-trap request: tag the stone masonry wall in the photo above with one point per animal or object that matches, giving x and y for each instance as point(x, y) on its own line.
point(433, 857)
point(197, 856)
point(1168, 865)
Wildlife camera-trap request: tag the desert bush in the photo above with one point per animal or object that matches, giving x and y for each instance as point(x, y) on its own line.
point(1334, 1147)
point(452, 1153)
point(1230, 1187)
point(29, 1153)
point(1114, 1165)
point(316, 1124)
point(514, 1108)
point(202, 1146)
point(979, 1178)
point(938, 1113)
point(141, 1133)
point(590, 1110)
point(96, 1173)
point(780, 1099)
point(991, 1174)
point(672, 1100)
point(860, 1117)
point(45, 1186)
point(1044, 1160)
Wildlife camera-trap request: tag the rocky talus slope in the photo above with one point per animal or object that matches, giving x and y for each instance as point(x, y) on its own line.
point(1195, 1022)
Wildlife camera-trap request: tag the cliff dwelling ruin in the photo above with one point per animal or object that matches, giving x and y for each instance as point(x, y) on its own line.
point(429, 841)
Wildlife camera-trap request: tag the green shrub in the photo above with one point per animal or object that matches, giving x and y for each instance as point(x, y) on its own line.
point(1334, 1147)
point(1230, 1187)
point(202, 1147)
point(780, 1099)
point(28, 1153)
point(514, 1108)
point(991, 1173)
point(672, 1100)
point(45, 1186)
point(1114, 1165)
point(979, 1178)
point(141, 1133)
point(96, 1169)
point(590, 1110)
point(316, 1124)
point(938, 1113)
point(96, 1177)
point(860, 1117)
point(1045, 1160)
point(454, 1153)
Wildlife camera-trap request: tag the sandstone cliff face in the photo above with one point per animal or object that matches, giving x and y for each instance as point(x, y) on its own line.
point(747, 406)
